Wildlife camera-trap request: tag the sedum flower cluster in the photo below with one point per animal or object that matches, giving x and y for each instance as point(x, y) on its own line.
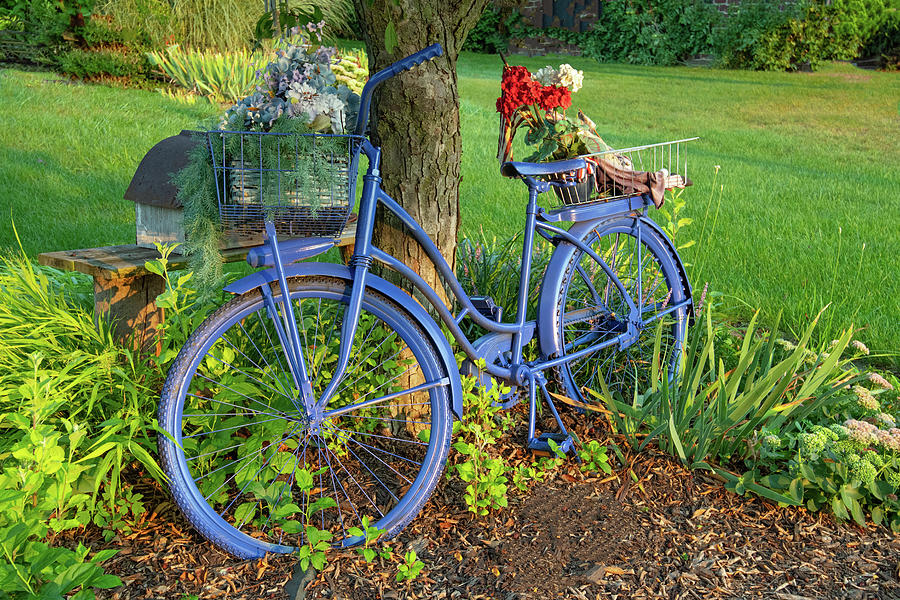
point(864, 448)
point(865, 399)
point(298, 84)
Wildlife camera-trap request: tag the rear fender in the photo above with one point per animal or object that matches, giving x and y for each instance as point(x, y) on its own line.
point(548, 340)
point(415, 310)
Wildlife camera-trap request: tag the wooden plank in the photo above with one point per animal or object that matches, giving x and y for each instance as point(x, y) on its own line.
point(127, 260)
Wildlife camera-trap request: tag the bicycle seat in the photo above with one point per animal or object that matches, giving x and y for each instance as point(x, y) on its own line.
point(527, 169)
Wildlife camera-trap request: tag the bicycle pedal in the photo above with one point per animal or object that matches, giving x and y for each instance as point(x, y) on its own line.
point(487, 307)
point(564, 443)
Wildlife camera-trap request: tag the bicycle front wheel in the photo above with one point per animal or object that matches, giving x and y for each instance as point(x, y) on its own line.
point(590, 309)
point(253, 473)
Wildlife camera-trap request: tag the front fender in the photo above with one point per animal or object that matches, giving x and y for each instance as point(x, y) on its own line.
point(415, 310)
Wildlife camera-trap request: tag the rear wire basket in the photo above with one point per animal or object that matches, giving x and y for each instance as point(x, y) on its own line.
point(303, 183)
point(624, 174)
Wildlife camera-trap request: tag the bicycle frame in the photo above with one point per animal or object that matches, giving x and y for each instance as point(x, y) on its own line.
point(520, 331)
point(511, 336)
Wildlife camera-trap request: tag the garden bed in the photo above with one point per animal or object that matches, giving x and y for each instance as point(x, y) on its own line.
point(670, 534)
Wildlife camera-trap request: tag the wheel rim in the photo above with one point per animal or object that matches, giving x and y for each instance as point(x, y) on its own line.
point(592, 309)
point(256, 467)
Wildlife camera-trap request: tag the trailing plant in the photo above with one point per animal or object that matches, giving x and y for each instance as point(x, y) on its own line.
point(298, 94)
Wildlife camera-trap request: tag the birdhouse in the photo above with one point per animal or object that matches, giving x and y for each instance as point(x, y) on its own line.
point(158, 214)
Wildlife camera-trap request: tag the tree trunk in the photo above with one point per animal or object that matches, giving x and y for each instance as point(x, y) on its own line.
point(417, 122)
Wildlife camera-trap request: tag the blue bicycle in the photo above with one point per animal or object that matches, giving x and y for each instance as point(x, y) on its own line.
point(320, 398)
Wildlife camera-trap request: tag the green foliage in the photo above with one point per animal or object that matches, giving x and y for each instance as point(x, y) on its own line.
point(221, 76)
point(494, 30)
point(224, 25)
point(49, 470)
point(790, 419)
point(100, 63)
point(844, 458)
point(594, 458)
point(410, 568)
point(760, 35)
point(369, 535)
point(885, 40)
point(39, 27)
point(75, 416)
point(663, 32)
point(709, 412)
point(671, 218)
point(477, 432)
point(488, 267)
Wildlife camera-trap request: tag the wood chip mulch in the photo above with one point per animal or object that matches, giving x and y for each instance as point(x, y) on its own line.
point(671, 534)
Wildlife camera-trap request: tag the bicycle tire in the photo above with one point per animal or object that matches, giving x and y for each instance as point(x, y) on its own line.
point(229, 403)
point(629, 369)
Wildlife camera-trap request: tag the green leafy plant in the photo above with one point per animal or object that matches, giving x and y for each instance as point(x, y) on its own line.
point(769, 36)
point(708, 413)
point(594, 458)
point(221, 76)
point(663, 32)
point(370, 536)
point(477, 432)
point(410, 568)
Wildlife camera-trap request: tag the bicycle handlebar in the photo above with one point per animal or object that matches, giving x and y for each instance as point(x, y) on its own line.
point(404, 64)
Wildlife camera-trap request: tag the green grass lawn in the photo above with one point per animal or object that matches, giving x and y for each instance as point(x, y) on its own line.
point(809, 167)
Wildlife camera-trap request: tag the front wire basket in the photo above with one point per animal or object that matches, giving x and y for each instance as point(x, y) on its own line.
point(303, 183)
point(623, 173)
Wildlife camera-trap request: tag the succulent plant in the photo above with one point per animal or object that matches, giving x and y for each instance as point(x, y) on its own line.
point(300, 84)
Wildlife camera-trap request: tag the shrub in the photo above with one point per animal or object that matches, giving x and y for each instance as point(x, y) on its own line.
point(666, 32)
point(216, 24)
point(884, 42)
point(102, 62)
point(763, 35)
point(494, 30)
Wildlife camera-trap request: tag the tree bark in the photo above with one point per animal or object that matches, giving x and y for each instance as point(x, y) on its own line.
point(417, 122)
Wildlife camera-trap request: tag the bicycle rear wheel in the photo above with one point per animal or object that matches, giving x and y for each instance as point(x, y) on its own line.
point(248, 467)
point(589, 308)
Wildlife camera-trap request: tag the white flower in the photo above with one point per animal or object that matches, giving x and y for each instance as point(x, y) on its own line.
point(306, 100)
point(570, 77)
point(547, 76)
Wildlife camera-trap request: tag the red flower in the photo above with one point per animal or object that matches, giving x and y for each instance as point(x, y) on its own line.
point(518, 89)
point(555, 96)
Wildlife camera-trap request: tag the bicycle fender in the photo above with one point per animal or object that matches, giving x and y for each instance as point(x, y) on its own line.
point(548, 340)
point(685, 283)
point(415, 310)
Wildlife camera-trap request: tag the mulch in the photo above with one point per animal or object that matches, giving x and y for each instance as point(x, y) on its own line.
point(664, 533)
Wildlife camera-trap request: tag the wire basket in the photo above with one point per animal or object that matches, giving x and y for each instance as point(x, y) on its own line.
point(303, 183)
point(623, 173)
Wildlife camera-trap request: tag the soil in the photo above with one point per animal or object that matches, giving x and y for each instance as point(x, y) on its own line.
point(650, 530)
